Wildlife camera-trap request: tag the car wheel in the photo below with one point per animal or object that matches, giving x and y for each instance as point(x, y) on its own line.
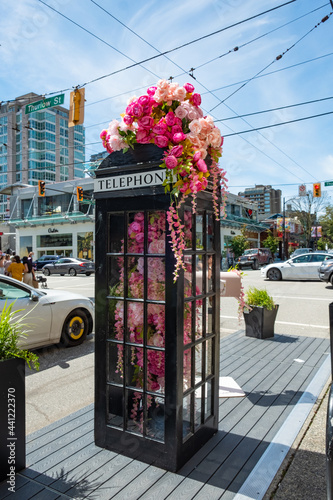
point(88, 274)
point(331, 279)
point(75, 328)
point(72, 272)
point(255, 265)
point(46, 272)
point(274, 274)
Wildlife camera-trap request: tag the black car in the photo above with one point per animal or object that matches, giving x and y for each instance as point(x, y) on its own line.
point(43, 260)
point(69, 265)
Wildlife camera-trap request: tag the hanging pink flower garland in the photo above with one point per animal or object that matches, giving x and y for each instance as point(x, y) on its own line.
point(170, 116)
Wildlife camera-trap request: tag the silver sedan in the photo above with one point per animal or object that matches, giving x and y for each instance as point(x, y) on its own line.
point(48, 316)
point(301, 267)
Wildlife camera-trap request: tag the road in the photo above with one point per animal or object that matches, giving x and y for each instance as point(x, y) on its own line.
point(65, 382)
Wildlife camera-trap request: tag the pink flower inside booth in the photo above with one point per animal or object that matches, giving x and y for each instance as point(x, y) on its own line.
point(158, 201)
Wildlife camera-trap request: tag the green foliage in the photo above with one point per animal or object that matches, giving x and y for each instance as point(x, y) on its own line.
point(326, 221)
point(11, 330)
point(271, 242)
point(239, 243)
point(324, 243)
point(259, 297)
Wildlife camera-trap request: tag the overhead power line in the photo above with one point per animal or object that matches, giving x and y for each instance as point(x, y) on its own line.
point(160, 53)
point(278, 124)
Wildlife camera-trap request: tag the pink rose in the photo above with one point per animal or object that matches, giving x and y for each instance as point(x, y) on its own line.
point(181, 112)
point(179, 137)
point(196, 99)
point(139, 237)
point(161, 141)
point(129, 109)
point(197, 156)
point(160, 128)
point(179, 94)
point(202, 166)
point(151, 91)
point(128, 119)
point(195, 127)
point(103, 134)
point(176, 129)
point(188, 87)
point(170, 119)
point(176, 151)
point(144, 100)
point(171, 162)
point(137, 110)
point(146, 122)
point(142, 137)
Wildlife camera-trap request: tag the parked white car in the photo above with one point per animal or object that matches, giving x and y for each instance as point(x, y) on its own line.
point(301, 267)
point(50, 316)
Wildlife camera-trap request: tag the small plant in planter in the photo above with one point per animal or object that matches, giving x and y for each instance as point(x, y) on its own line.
point(12, 393)
point(11, 330)
point(260, 315)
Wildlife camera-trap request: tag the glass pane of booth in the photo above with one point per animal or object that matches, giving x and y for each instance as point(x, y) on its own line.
point(210, 274)
point(198, 364)
point(135, 271)
point(187, 369)
point(199, 244)
point(155, 373)
point(115, 408)
point(115, 363)
point(208, 399)
point(135, 232)
point(116, 319)
point(156, 233)
point(199, 320)
point(209, 357)
point(156, 418)
point(187, 322)
point(188, 228)
point(209, 232)
point(197, 406)
point(156, 325)
point(199, 274)
point(116, 233)
point(156, 278)
point(116, 287)
point(187, 415)
point(134, 333)
point(134, 411)
point(209, 315)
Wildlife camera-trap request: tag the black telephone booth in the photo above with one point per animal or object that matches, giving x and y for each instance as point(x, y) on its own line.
point(157, 342)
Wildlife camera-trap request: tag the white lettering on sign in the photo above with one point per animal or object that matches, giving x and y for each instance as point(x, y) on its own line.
point(143, 179)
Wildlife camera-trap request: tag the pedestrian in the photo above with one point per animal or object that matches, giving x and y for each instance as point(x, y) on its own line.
point(29, 274)
point(16, 268)
point(7, 262)
point(2, 261)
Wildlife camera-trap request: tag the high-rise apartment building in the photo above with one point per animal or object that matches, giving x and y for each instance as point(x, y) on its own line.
point(268, 199)
point(38, 145)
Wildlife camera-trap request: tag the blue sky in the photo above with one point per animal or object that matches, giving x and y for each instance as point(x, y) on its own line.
point(43, 52)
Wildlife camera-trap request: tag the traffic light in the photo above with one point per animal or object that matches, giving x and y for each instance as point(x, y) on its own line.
point(79, 193)
point(41, 188)
point(76, 107)
point(317, 190)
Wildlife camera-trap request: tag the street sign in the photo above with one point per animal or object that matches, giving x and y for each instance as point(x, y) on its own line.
point(329, 183)
point(302, 190)
point(45, 103)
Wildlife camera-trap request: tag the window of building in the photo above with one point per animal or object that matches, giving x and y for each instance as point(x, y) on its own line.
point(55, 240)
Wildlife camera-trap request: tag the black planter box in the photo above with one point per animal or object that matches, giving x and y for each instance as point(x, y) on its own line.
point(12, 419)
point(259, 322)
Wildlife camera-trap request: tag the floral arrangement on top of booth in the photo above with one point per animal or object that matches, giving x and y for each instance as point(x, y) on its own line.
point(170, 117)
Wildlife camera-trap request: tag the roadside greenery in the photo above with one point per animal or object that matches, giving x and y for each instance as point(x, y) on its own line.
point(11, 330)
point(239, 243)
point(271, 242)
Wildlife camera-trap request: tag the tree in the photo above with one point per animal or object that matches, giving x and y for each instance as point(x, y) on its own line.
point(239, 243)
point(306, 209)
point(271, 242)
point(326, 222)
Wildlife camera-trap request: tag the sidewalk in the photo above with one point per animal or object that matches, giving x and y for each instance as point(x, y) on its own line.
point(280, 379)
point(302, 476)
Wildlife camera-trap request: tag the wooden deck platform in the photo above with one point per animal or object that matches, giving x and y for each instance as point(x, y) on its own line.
point(275, 374)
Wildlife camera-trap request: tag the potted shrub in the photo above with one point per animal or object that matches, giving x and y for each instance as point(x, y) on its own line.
point(12, 394)
point(260, 314)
